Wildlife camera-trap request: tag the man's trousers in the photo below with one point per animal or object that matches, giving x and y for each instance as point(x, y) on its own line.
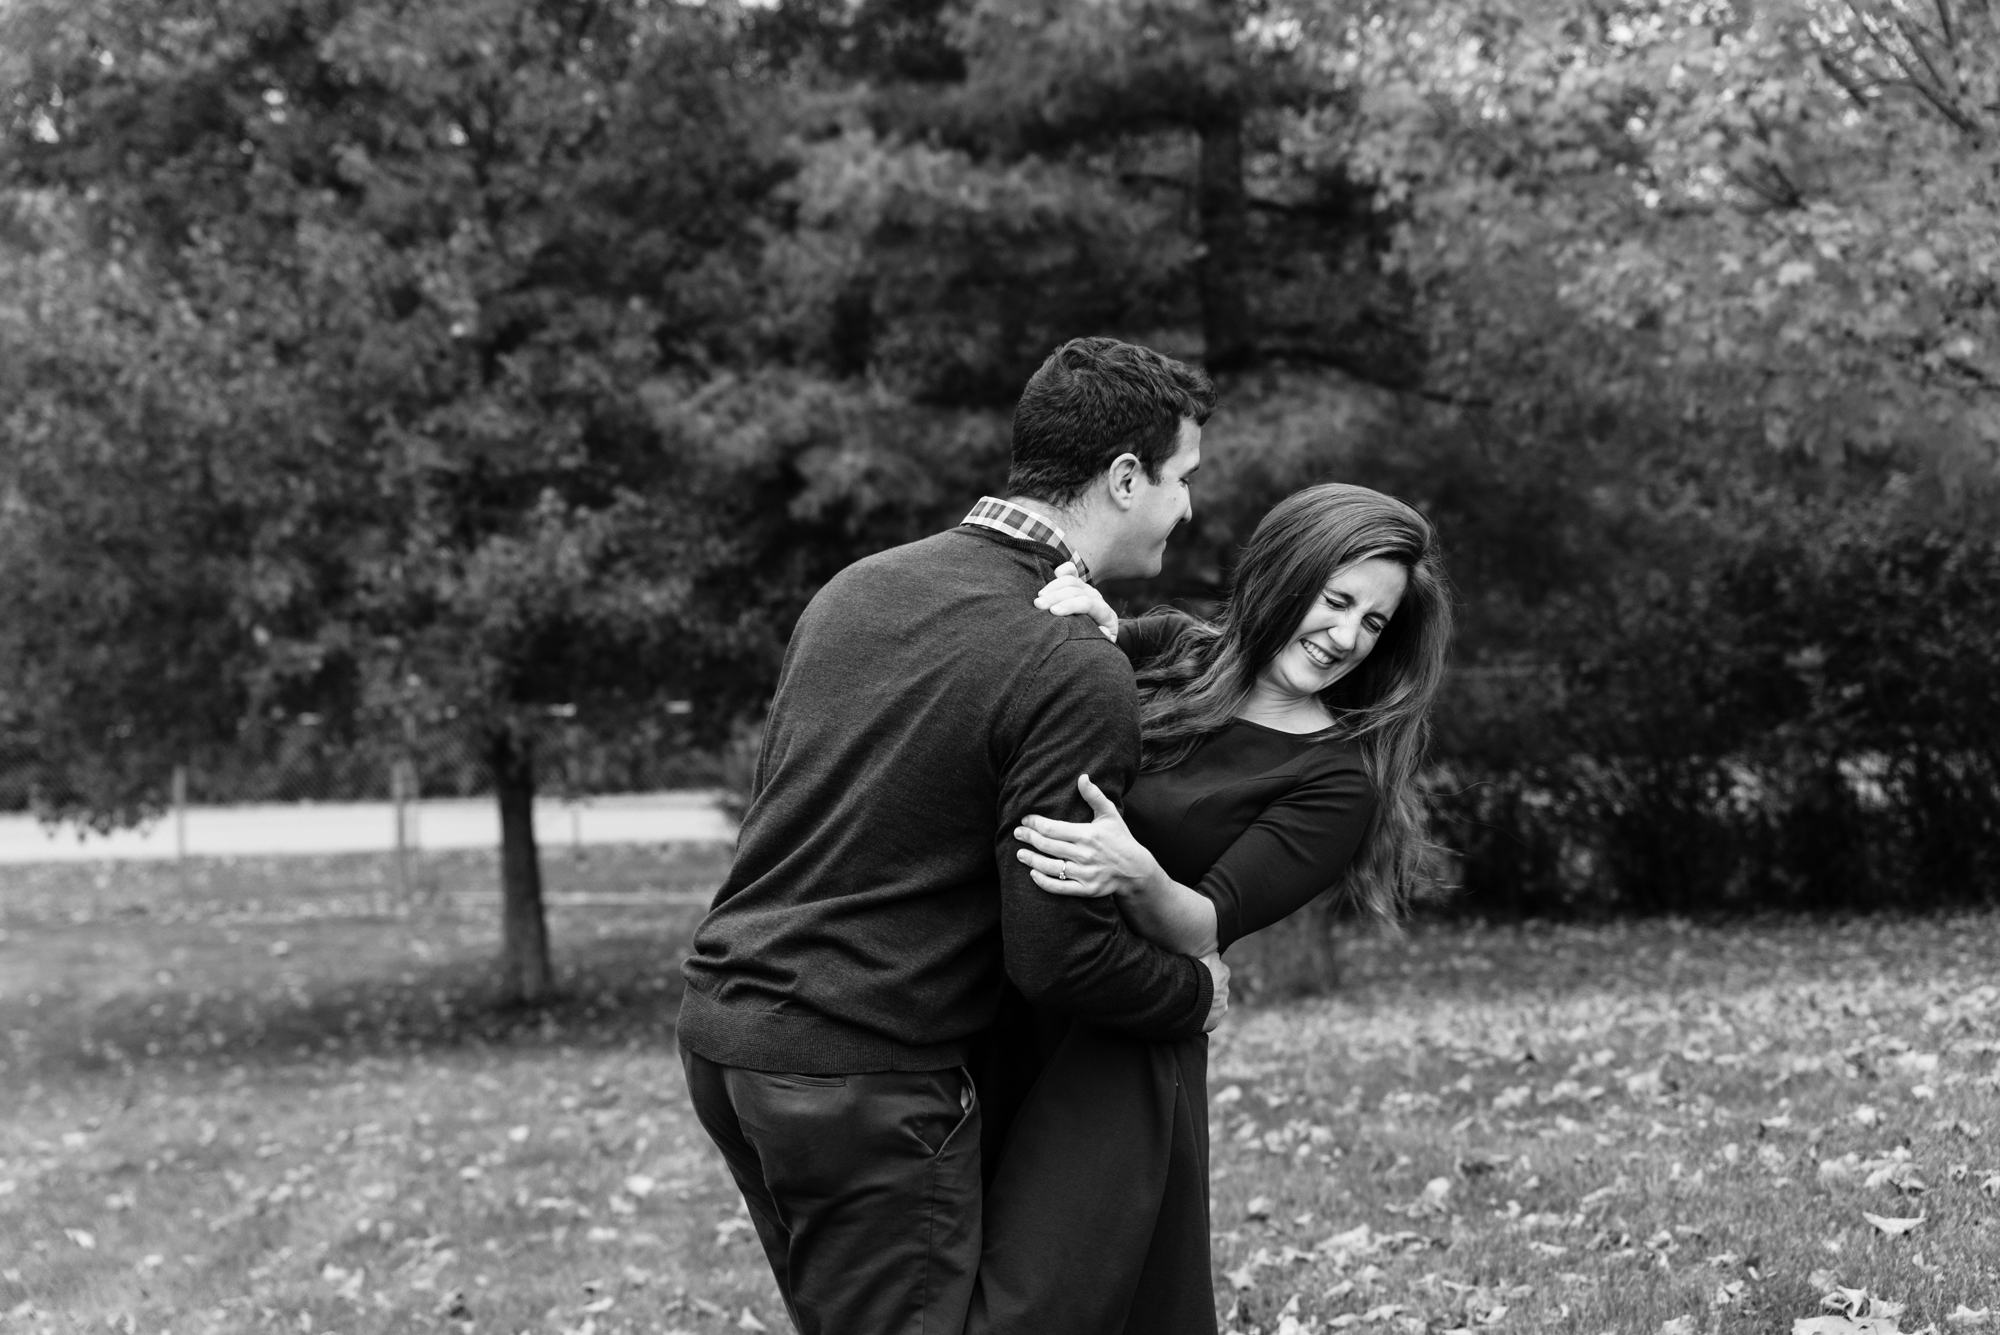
point(864, 1190)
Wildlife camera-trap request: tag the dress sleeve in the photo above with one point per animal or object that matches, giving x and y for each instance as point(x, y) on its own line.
point(1145, 638)
point(1299, 845)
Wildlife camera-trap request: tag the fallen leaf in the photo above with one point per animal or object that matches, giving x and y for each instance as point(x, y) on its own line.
point(1861, 1303)
point(1679, 1325)
point(749, 1321)
point(1969, 1316)
point(1258, 1208)
point(1645, 1084)
point(1356, 1239)
point(1902, 1175)
point(1890, 1225)
point(83, 1238)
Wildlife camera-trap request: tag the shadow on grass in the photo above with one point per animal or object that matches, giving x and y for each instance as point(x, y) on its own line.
point(107, 971)
point(612, 992)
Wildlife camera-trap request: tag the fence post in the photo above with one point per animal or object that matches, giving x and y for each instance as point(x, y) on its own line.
point(402, 789)
point(180, 796)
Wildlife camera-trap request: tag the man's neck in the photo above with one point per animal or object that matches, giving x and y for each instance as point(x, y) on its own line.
point(1077, 530)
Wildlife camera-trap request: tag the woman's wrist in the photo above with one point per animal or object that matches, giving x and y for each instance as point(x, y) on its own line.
point(1153, 885)
point(1173, 915)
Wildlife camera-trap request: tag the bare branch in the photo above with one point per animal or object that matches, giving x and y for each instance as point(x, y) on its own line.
point(1932, 93)
point(1913, 34)
point(1847, 84)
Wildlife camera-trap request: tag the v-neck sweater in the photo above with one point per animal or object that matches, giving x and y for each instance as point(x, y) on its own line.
point(875, 903)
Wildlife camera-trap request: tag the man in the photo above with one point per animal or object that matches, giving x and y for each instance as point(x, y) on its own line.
point(875, 909)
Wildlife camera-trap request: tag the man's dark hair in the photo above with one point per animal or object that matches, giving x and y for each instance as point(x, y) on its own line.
point(1093, 400)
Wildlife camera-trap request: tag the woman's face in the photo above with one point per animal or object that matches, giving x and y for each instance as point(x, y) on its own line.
point(1341, 627)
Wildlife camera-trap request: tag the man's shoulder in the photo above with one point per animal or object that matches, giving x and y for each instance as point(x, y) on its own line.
point(941, 557)
point(961, 573)
point(959, 594)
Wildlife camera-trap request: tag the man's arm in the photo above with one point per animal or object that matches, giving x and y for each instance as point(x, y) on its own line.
point(1077, 956)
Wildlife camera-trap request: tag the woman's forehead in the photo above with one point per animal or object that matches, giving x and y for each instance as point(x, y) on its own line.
point(1377, 568)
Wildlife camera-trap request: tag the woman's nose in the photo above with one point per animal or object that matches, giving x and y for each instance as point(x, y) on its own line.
point(1346, 634)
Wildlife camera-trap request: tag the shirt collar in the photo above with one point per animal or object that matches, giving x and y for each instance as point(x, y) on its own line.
point(1006, 517)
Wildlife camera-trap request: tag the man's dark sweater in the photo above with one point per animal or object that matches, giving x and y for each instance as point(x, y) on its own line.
point(924, 707)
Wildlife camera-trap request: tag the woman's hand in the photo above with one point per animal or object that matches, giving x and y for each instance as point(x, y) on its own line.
point(1087, 861)
point(1068, 595)
point(1102, 858)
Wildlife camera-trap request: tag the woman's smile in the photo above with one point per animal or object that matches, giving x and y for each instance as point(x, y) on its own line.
point(1323, 659)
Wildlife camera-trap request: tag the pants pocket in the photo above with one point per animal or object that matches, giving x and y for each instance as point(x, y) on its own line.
point(949, 1105)
point(816, 1081)
point(968, 1110)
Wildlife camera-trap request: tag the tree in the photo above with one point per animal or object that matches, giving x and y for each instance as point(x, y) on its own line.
point(137, 449)
point(1777, 221)
point(472, 242)
point(1013, 172)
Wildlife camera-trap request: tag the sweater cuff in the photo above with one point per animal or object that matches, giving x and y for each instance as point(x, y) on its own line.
point(1204, 992)
point(1228, 912)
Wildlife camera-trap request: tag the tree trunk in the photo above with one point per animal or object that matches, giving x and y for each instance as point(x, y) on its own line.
point(524, 934)
point(1225, 310)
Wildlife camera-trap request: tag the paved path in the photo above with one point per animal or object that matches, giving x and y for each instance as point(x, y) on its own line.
point(370, 827)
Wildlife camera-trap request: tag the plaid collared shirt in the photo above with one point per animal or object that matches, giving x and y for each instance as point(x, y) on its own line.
point(1007, 517)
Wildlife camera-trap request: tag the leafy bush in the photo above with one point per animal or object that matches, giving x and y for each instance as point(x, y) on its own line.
point(1808, 723)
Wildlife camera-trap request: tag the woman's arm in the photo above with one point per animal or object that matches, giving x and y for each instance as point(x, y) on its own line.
point(1102, 858)
point(1299, 845)
point(1141, 638)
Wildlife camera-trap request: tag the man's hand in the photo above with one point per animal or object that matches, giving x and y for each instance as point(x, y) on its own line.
point(1220, 1006)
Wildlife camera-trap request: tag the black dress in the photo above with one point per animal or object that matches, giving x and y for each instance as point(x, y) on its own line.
point(1097, 1204)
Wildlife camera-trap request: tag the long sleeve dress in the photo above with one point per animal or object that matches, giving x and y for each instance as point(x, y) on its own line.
point(1096, 1218)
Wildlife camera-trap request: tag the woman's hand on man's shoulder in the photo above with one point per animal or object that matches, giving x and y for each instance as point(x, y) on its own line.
point(1069, 595)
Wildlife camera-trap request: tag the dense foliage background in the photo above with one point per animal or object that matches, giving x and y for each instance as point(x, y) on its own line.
point(514, 370)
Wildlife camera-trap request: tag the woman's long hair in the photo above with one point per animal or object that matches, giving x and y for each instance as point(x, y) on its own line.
point(1195, 689)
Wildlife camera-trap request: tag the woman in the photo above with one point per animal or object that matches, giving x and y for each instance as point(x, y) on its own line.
point(1279, 750)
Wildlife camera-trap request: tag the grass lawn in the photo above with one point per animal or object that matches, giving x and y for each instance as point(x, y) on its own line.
point(272, 1097)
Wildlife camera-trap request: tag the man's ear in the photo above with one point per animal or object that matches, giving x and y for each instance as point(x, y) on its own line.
point(1122, 480)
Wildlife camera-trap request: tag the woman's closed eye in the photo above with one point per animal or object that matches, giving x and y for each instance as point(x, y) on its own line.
point(1373, 623)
